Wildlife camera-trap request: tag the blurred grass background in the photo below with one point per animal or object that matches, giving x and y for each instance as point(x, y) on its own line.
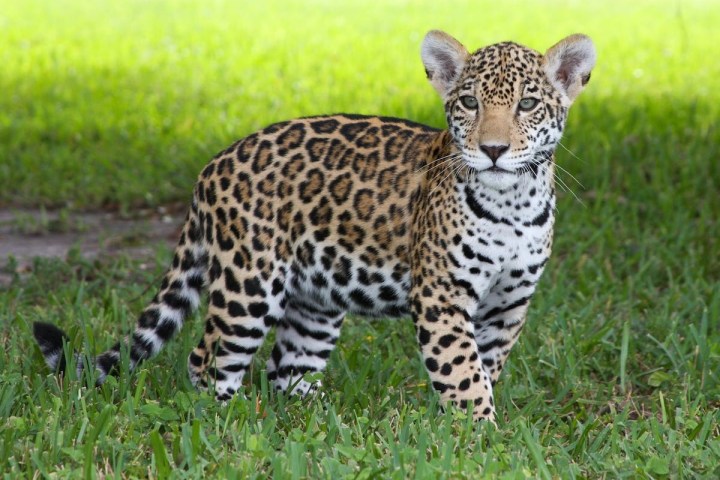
point(119, 104)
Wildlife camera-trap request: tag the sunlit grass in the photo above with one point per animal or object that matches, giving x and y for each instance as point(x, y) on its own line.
point(123, 102)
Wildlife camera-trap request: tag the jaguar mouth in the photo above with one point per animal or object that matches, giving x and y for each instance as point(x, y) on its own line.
point(480, 165)
point(496, 169)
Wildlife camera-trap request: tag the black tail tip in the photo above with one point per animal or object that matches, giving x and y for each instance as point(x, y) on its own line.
point(48, 336)
point(50, 339)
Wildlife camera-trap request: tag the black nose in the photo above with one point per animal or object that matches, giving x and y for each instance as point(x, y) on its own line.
point(494, 151)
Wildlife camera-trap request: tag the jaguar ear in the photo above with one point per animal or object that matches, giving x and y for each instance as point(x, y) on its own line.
point(568, 64)
point(444, 58)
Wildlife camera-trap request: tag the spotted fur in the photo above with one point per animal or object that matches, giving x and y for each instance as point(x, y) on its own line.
point(296, 225)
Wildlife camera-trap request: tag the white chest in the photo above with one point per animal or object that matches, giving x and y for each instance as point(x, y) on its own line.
point(504, 243)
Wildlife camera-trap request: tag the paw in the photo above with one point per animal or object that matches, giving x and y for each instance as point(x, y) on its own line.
point(302, 386)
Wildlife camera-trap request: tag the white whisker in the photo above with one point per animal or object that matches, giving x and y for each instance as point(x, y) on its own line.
point(439, 171)
point(453, 169)
point(565, 187)
point(570, 175)
point(570, 151)
point(447, 159)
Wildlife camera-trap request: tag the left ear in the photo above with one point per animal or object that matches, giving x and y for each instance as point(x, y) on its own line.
point(568, 64)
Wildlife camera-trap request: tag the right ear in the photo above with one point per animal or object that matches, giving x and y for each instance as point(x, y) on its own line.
point(444, 58)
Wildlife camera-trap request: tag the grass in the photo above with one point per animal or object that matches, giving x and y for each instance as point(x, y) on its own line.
point(119, 104)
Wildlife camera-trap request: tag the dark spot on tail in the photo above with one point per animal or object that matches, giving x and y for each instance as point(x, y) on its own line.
point(50, 339)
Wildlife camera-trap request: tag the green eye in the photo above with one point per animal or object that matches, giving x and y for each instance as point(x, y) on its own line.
point(528, 103)
point(469, 102)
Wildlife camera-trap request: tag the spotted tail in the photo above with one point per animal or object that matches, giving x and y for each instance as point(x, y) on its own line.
point(178, 297)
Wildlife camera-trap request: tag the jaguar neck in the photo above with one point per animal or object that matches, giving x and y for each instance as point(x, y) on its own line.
point(530, 198)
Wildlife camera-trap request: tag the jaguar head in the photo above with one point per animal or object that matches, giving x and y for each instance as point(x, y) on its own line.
point(506, 105)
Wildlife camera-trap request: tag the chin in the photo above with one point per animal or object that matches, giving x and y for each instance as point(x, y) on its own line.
point(498, 180)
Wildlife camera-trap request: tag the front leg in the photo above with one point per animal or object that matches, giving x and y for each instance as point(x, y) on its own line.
point(496, 333)
point(446, 336)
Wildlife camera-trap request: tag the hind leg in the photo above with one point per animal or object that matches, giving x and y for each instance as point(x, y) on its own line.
point(305, 337)
point(244, 305)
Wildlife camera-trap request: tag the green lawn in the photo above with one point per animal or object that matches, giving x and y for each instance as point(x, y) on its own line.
point(118, 104)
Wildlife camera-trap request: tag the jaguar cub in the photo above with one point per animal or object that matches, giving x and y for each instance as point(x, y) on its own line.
point(305, 221)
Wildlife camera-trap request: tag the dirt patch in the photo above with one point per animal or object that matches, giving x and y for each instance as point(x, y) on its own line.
point(26, 234)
